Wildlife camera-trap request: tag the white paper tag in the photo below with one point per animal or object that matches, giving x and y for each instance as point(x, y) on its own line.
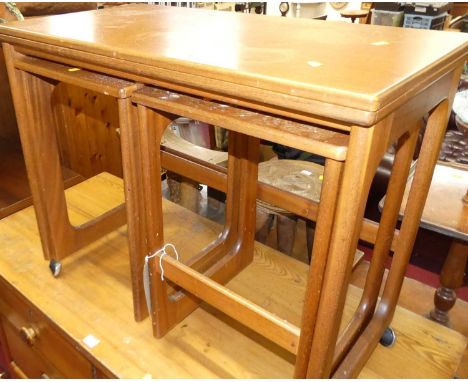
point(305, 172)
point(314, 64)
point(380, 43)
point(146, 285)
point(91, 341)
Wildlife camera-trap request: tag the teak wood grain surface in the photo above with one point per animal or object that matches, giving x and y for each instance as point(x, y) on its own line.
point(365, 87)
point(94, 297)
point(247, 56)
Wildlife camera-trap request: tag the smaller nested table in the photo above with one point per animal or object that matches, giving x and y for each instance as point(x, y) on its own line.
point(446, 212)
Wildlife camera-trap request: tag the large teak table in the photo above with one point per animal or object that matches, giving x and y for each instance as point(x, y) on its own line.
point(345, 92)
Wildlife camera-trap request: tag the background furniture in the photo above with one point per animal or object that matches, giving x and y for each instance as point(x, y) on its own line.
point(299, 177)
point(354, 14)
point(446, 212)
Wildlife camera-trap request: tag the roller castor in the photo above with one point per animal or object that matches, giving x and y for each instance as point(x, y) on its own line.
point(388, 338)
point(55, 267)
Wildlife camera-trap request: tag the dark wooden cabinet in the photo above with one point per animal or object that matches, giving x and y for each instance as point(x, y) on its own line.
point(33, 347)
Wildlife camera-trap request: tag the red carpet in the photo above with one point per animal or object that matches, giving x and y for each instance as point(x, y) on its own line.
point(420, 274)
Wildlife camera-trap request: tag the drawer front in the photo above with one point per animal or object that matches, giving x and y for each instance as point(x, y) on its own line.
point(37, 334)
point(26, 362)
point(4, 360)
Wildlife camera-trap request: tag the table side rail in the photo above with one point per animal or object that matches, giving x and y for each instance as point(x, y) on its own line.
point(97, 82)
point(313, 139)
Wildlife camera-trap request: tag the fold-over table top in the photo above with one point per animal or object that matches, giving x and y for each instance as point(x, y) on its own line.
point(360, 67)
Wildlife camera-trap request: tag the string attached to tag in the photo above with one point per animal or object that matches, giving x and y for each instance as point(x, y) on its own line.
point(146, 275)
point(164, 253)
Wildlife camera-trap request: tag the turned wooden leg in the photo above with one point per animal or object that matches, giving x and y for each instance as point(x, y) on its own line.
point(451, 278)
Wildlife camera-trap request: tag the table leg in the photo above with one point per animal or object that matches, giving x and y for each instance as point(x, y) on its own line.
point(141, 132)
point(328, 197)
point(366, 148)
point(396, 188)
point(365, 345)
point(451, 278)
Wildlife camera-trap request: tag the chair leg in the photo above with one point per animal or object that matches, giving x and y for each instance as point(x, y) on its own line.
point(263, 225)
point(286, 232)
point(310, 232)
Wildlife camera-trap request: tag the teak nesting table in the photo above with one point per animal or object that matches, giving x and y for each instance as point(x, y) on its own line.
point(345, 92)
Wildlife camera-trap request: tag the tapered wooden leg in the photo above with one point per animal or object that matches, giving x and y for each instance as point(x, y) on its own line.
point(365, 151)
point(34, 114)
point(396, 188)
point(365, 345)
point(141, 132)
point(249, 149)
point(451, 278)
point(324, 226)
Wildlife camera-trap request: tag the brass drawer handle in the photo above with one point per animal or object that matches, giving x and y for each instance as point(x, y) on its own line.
point(29, 335)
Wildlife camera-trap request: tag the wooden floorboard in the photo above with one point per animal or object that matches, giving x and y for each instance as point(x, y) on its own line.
point(419, 299)
point(92, 296)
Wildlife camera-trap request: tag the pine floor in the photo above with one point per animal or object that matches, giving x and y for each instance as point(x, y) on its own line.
point(415, 296)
